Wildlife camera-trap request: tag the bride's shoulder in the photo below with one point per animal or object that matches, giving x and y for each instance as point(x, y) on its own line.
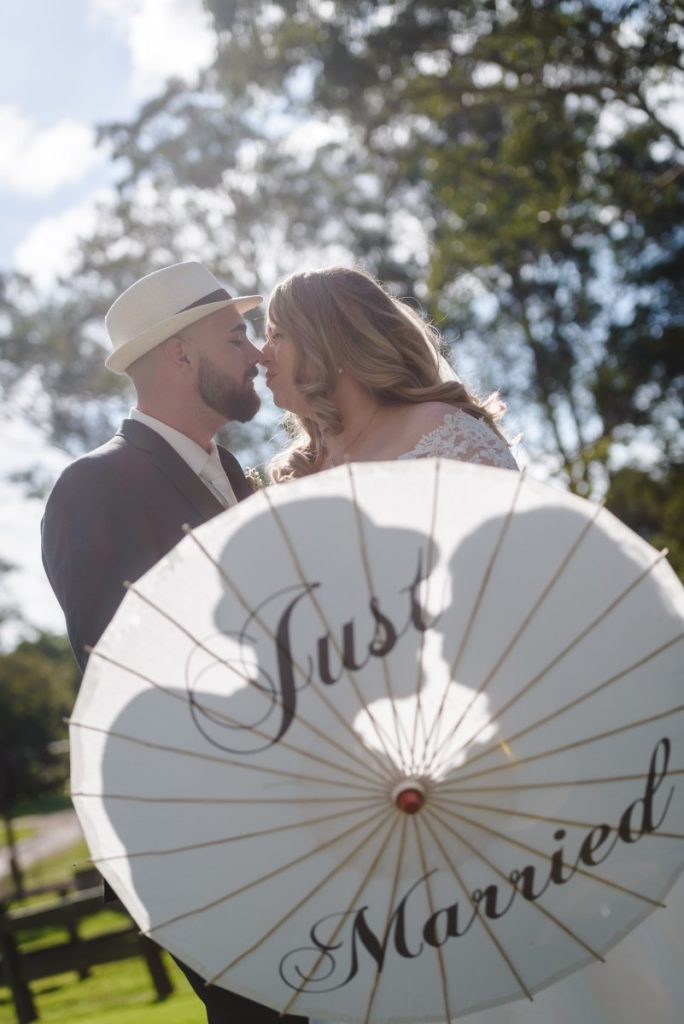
point(427, 416)
point(413, 423)
point(444, 430)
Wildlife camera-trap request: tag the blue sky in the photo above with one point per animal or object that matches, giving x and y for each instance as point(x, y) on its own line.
point(64, 68)
point(60, 64)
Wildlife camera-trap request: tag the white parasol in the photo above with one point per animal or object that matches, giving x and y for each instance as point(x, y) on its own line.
point(396, 742)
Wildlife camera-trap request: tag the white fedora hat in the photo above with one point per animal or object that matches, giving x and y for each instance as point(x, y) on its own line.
point(162, 303)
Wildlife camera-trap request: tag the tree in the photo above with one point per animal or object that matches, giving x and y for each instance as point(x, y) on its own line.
point(38, 683)
point(653, 506)
point(529, 143)
point(509, 166)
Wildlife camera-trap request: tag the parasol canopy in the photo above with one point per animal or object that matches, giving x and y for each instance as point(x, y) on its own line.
point(396, 742)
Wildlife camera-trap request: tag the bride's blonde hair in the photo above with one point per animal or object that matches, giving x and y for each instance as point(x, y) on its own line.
point(342, 320)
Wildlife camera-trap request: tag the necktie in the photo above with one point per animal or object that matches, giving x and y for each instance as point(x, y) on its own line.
point(214, 476)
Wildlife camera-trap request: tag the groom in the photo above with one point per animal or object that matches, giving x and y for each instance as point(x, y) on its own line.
point(116, 511)
point(113, 513)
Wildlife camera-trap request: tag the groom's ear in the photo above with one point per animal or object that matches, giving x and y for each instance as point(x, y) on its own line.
point(175, 352)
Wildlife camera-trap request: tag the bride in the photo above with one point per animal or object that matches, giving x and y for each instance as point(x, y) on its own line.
point(364, 379)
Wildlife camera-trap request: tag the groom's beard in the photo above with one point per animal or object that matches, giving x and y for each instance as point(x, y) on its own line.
point(234, 400)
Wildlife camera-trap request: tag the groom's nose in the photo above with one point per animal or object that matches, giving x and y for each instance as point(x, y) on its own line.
point(254, 354)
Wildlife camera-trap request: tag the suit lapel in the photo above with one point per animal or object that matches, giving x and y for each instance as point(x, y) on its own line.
point(169, 462)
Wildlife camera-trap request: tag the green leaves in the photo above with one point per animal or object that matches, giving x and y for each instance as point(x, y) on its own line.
point(513, 167)
point(38, 682)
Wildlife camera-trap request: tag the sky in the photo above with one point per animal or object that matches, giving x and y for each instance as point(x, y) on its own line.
point(66, 67)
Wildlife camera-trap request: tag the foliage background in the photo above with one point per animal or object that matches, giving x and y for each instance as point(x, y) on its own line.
point(513, 168)
point(38, 684)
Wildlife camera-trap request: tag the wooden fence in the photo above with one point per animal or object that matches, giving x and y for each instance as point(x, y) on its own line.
point(19, 967)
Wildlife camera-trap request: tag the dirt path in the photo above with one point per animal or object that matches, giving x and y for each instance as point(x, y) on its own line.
point(53, 832)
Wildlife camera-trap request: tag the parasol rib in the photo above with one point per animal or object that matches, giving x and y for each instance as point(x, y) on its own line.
point(559, 657)
point(432, 735)
point(388, 919)
point(542, 910)
point(305, 899)
point(302, 752)
point(398, 729)
point(269, 632)
point(383, 739)
point(270, 831)
point(295, 862)
point(455, 777)
point(350, 904)
point(489, 930)
point(431, 905)
point(419, 713)
point(579, 700)
point(545, 818)
point(598, 781)
point(446, 808)
point(216, 759)
point(249, 801)
point(565, 561)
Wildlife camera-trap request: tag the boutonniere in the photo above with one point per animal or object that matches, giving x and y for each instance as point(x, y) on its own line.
point(256, 478)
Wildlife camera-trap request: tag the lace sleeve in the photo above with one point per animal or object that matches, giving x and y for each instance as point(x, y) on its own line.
point(461, 436)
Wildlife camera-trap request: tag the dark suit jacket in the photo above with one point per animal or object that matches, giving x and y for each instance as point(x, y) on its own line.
point(115, 512)
point(111, 515)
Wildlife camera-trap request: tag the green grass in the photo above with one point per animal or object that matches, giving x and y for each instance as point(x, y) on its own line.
point(59, 867)
point(55, 869)
point(19, 832)
point(119, 993)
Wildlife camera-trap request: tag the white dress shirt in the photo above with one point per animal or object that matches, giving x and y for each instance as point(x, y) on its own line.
point(207, 465)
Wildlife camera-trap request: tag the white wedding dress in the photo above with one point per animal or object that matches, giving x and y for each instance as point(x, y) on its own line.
point(461, 436)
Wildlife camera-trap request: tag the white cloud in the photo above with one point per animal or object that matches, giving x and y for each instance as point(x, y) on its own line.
point(37, 161)
point(166, 38)
point(49, 249)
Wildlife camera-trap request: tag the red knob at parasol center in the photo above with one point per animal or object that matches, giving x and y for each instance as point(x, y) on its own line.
point(409, 796)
